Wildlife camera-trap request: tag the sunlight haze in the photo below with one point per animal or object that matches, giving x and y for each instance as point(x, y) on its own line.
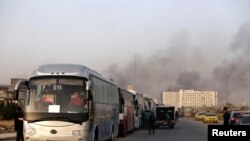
point(105, 33)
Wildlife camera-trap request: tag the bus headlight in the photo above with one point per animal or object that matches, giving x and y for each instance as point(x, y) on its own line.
point(79, 133)
point(30, 131)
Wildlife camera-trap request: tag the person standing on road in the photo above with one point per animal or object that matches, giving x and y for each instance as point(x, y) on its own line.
point(226, 116)
point(151, 123)
point(18, 121)
point(176, 115)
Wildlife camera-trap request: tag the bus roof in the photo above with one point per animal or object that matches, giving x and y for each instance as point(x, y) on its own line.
point(66, 70)
point(162, 105)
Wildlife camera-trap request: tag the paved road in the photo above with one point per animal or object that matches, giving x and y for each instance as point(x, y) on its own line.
point(185, 130)
point(7, 136)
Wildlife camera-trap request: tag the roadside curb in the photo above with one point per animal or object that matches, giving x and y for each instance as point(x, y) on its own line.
point(5, 136)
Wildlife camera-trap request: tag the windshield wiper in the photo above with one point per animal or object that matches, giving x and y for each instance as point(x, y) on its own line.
point(54, 118)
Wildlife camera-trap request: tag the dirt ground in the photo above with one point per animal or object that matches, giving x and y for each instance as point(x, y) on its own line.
point(6, 125)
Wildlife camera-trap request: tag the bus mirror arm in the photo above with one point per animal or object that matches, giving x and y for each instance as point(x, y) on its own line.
point(16, 94)
point(18, 85)
point(89, 95)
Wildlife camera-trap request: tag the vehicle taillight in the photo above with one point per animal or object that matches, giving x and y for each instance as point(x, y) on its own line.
point(233, 120)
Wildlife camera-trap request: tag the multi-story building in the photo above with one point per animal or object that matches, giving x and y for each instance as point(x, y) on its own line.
point(190, 98)
point(7, 91)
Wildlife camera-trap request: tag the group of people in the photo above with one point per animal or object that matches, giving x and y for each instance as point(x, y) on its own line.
point(49, 99)
point(151, 120)
point(48, 96)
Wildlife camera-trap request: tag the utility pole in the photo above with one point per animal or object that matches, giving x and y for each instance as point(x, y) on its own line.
point(227, 88)
point(246, 80)
point(135, 73)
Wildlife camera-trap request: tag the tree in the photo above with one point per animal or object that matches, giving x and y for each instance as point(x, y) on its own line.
point(9, 110)
point(1, 108)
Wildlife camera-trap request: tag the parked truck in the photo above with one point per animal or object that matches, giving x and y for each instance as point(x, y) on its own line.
point(165, 116)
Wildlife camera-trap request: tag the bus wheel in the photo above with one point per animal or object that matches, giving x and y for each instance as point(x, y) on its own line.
point(125, 130)
point(171, 126)
point(121, 130)
point(112, 135)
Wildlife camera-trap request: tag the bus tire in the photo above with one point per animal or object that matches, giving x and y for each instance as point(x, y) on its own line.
point(112, 135)
point(171, 126)
point(122, 130)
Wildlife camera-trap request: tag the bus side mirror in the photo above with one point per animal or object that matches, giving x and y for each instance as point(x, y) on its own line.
point(122, 101)
point(89, 95)
point(88, 84)
point(136, 103)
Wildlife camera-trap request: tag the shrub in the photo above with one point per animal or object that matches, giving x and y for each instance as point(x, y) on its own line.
point(9, 110)
point(1, 108)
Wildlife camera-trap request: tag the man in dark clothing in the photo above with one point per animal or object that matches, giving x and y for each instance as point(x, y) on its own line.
point(176, 115)
point(226, 116)
point(151, 123)
point(18, 119)
point(146, 119)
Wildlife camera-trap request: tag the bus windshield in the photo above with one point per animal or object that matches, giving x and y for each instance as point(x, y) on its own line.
point(56, 95)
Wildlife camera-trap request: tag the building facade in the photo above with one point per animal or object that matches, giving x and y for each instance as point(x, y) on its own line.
point(190, 98)
point(7, 91)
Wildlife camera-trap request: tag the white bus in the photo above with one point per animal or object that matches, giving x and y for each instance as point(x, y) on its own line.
point(48, 114)
point(139, 108)
point(127, 112)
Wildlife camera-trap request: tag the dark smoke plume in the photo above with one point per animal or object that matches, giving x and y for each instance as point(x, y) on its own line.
point(234, 76)
point(183, 65)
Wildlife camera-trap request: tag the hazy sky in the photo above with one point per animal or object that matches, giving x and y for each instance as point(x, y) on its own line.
point(98, 33)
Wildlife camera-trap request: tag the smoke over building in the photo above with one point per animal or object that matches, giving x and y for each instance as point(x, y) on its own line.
point(185, 65)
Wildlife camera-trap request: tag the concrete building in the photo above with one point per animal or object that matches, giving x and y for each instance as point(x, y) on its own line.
point(190, 98)
point(7, 91)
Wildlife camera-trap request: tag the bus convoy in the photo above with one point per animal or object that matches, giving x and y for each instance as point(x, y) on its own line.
point(106, 111)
